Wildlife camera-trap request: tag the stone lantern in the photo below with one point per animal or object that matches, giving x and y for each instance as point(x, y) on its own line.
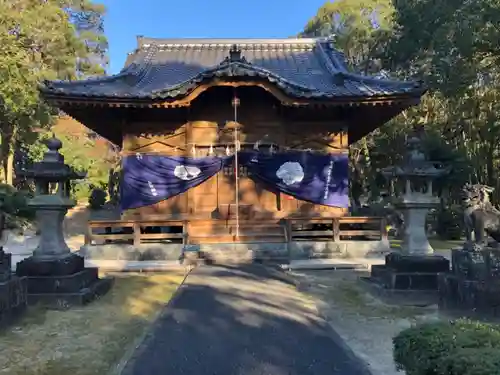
point(411, 275)
point(55, 274)
point(417, 173)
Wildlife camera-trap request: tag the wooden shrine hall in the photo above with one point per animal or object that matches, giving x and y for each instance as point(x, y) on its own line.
point(255, 131)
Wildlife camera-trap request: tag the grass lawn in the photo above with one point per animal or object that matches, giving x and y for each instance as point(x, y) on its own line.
point(89, 340)
point(354, 299)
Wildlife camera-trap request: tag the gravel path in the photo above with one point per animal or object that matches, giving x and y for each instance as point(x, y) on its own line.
point(365, 323)
point(242, 321)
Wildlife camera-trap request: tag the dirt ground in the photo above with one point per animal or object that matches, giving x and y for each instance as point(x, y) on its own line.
point(365, 323)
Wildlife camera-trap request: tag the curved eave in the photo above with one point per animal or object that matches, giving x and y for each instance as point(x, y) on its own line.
point(115, 102)
point(223, 72)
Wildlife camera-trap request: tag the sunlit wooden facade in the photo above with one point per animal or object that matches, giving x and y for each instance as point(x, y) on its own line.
point(175, 97)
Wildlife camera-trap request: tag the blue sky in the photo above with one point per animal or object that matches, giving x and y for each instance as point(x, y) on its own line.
point(201, 18)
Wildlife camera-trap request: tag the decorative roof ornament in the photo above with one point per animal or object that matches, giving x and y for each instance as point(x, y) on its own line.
point(235, 56)
point(234, 53)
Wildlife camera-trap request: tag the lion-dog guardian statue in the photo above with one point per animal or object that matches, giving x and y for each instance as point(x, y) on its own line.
point(480, 216)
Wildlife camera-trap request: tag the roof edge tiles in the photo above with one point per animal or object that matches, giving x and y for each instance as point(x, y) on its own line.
point(171, 68)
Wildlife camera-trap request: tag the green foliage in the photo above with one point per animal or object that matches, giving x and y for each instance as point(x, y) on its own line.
point(358, 27)
point(77, 153)
point(80, 191)
point(15, 203)
point(482, 361)
point(449, 222)
point(434, 348)
point(456, 54)
point(97, 198)
point(42, 40)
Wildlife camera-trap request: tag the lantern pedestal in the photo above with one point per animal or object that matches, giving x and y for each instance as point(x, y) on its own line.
point(61, 282)
point(12, 291)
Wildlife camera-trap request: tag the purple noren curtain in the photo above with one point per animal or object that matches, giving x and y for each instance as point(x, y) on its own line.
point(316, 178)
point(149, 179)
point(320, 179)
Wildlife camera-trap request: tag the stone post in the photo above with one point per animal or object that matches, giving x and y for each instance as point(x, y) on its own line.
point(13, 300)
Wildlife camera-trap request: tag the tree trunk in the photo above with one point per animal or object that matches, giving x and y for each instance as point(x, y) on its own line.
point(8, 148)
point(9, 171)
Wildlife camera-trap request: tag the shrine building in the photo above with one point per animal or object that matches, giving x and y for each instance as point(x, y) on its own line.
point(233, 140)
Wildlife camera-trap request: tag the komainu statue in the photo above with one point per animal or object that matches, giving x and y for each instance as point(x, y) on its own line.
point(480, 216)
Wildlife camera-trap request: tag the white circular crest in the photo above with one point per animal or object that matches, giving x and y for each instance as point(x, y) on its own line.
point(186, 172)
point(290, 173)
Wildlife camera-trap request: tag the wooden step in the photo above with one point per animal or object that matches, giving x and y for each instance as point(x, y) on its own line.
point(232, 228)
point(257, 231)
point(242, 238)
point(241, 225)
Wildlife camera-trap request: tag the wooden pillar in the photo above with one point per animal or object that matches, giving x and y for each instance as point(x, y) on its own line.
point(137, 234)
point(336, 229)
point(383, 229)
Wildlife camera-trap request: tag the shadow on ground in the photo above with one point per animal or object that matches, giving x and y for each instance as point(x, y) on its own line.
point(241, 320)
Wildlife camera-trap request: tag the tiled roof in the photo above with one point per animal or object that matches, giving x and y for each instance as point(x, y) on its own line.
point(171, 68)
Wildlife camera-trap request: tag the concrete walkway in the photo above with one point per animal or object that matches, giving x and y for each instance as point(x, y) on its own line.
point(244, 320)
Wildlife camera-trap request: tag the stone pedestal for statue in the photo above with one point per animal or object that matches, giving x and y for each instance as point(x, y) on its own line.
point(13, 289)
point(55, 276)
point(473, 286)
point(409, 279)
point(414, 267)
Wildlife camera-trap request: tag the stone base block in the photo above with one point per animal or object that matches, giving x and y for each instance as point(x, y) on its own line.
point(301, 250)
point(392, 279)
point(136, 266)
point(470, 296)
point(33, 266)
point(143, 252)
point(13, 299)
point(66, 300)
point(62, 284)
point(399, 296)
point(244, 252)
point(237, 252)
point(417, 263)
point(481, 265)
point(5, 265)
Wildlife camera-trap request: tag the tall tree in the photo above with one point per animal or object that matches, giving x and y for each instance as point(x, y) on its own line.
point(359, 29)
point(88, 20)
point(42, 40)
point(457, 55)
